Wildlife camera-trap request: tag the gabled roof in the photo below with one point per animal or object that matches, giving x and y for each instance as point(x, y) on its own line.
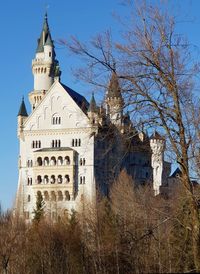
point(79, 99)
point(176, 173)
point(22, 109)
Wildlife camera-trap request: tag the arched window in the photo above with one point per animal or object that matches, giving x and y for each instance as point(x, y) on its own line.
point(72, 142)
point(59, 143)
point(67, 160)
point(67, 179)
point(46, 179)
point(79, 142)
point(56, 120)
point(46, 196)
point(53, 196)
point(76, 143)
point(67, 196)
point(39, 179)
point(53, 161)
point(39, 144)
point(81, 162)
point(39, 161)
point(60, 161)
point(59, 179)
point(53, 145)
point(31, 180)
point(60, 196)
point(81, 180)
point(46, 161)
point(29, 198)
point(53, 179)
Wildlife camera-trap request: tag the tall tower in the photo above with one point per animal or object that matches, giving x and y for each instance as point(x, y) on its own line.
point(157, 144)
point(114, 101)
point(45, 67)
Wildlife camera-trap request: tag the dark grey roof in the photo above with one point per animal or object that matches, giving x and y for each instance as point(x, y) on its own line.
point(22, 109)
point(157, 136)
point(49, 41)
point(45, 36)
point(176, 173)
point(114, 88)
point(79, 99)
point(93, 105)
point(53, 149)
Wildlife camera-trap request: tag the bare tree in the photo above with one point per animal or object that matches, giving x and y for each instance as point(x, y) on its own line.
point(156, 70)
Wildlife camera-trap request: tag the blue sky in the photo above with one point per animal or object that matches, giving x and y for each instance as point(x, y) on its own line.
point(20, 26)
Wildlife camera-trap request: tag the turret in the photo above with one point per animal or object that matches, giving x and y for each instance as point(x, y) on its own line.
point(157, 144)
point(22, 116)
point(93, 110)
point(114, 101)
point(45, 67)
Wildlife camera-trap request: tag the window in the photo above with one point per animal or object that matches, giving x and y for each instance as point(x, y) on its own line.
point(29, 198)
point(29, 181)
point(67, 179)
point(39, 179)
point(56, 143)
point(53, 179)
point(67, 160)
point(59, 179)
point(36, 144)
point(29, 163)
point(39, 161)
point(67, 196)
point(76, 142)
point(82, 162)
point(56, 120)
point(82, 180)
point(49, 54)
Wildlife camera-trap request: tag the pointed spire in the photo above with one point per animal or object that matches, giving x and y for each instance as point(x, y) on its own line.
point(45, 36)
point(93, 105)
point(156, 136)
point(22, 109)
point(114, 88)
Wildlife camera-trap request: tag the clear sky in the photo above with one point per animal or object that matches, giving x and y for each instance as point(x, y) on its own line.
point(20, 26)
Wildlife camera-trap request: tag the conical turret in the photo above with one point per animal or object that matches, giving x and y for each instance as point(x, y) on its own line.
point(21, 117)
point(114, 101)
point(45, 67)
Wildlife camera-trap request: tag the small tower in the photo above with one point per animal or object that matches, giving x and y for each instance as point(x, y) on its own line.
point(93, 110)
point(157, 144)
point(45, 67)
point(22, 116)
point(114, 101)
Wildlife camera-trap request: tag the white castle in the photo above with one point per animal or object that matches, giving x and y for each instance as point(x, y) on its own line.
point(69, 148)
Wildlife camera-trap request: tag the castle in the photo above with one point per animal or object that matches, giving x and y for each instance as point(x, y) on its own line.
point(69, 148)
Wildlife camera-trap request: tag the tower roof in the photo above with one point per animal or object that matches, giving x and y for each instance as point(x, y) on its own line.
point(157, 136)
point(22, 109)
point(113, 87)
point(45, 36)
point(93, 105)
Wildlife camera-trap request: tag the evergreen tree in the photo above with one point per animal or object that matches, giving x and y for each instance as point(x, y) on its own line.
point(39, 211)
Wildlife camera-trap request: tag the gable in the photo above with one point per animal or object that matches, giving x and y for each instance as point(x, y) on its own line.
point(59, 109)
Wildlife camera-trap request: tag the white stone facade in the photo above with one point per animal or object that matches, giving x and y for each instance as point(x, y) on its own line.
point(64, 150)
